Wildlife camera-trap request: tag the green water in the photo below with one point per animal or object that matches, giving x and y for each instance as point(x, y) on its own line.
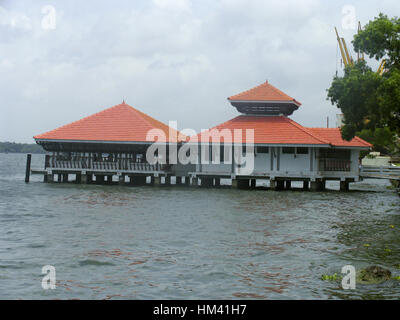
point(111, 242)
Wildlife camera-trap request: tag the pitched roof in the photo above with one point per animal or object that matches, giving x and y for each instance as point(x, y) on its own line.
point(334, 136)
point(264, 92)
point(277, 130)
point(267, 130)
point(121, 123)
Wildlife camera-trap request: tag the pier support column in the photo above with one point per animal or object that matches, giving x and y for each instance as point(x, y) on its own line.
point(167, 180)
point(206, 182)
point(156, 181)
point(89, 178)
point(306, 185)
point(217, 182)
point(323, 185)
point(272, 184)
point(187, 180)
point(65, 177)
point(28, 167)
point(280, 185)
point(240, 183)
point(109, 179)
point(178, 181)
point(288, 184)
point(99, 179)
point(83, 179)
point(316, 186)
point(49, 178)
point(344, 186)
point(59, 177)
point(253, 183)
point(195, 182)
point(138, 180)
point(121, 179)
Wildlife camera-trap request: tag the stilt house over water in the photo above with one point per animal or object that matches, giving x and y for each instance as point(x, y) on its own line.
point(113, 143)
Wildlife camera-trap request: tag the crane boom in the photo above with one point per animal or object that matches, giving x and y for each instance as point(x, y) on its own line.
point(344, 58)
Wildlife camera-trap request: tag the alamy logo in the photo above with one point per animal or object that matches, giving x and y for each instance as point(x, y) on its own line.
point(349, 279)
point(49, 280)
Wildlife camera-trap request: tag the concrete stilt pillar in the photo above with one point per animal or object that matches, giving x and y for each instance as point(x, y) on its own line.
point(89, 178)
point(109, 179)
point(65, 177)
point(167, 180)
point(59, 177)
point(288, 184)
point(156, 181)
point(83, 179)
point(178, 181)
point(316, 186)
point(240, 184)
point(272, 184)
point(49, 177)
point(305, 185)
point(78, 178)
point(206, 182)
point(187, 180)
point(280, 185)
point(99, 179)
point(217, 182)
point(253, 183)
point(121, 180)
point(344, 186)
point(195, 182)
point(323, 185)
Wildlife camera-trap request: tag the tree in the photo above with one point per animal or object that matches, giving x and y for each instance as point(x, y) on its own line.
point(369, 102)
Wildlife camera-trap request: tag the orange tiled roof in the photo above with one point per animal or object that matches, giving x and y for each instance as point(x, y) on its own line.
point(334, 136)
point(267, 130)
point(263, 92)
point(278, 130)
point(119, 123)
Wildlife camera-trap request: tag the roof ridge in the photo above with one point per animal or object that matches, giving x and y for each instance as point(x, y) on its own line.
point(247, 90)
point(145, 117)
point(294, 123)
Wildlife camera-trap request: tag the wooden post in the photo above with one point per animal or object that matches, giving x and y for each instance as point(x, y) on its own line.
point(28, 167)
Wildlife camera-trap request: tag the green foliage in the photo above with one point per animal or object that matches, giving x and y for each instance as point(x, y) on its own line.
point(12, 147)
point(383, 139)
point(380, 38)
point(369, 102)
point(332, 277)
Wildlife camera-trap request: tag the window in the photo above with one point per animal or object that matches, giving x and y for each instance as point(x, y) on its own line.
point(262, 149)
point(288, 150)
point(302, 151)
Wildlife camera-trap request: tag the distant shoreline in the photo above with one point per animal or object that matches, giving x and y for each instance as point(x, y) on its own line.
point(13, 147)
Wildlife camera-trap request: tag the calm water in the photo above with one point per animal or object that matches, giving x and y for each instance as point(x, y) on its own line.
point(110, 242)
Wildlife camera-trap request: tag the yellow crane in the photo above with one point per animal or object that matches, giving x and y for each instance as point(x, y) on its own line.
point(348, 60)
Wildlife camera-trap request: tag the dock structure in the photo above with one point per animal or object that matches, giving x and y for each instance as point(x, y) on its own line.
point(263, 143)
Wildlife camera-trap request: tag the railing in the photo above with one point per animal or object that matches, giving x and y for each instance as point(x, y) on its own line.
point(329, 164)
point(385, 172)
point(88, 163)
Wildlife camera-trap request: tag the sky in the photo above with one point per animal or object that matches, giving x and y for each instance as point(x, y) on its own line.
point(176, 60)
